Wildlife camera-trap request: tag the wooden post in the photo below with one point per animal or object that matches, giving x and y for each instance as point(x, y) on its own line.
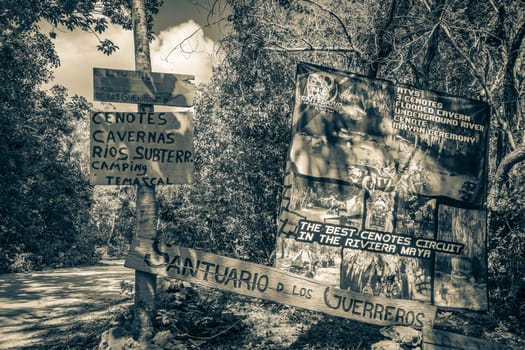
point(147, 212)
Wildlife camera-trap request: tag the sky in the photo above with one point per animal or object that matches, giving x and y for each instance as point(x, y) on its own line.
point(176, 20)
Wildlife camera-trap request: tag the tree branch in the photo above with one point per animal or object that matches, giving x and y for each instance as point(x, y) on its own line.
point(510, 91)
point(471, 64)
point(433, 41)
point(502, 174)
point(481, 81)
point(309, 49)
point(179, 45)
point(342, 25)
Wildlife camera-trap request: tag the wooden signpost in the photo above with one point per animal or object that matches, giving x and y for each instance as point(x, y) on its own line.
point(142, 148)
point(147, 207)
point(274, 284)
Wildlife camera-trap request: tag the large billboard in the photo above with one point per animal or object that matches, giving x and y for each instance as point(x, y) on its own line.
point(385, 190)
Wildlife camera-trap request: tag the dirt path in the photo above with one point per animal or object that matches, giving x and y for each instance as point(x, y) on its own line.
point(38, 309)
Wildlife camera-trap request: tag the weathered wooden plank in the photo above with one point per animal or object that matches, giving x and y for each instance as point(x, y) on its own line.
point(434, 339)
point(138, 148)
point(270, 283)
point(116, 85)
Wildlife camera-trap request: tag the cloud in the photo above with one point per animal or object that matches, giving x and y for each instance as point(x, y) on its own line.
point(183, 49)
point(78, 55)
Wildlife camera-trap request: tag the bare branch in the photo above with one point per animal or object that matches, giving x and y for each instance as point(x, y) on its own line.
point(472, 66)
point(506, 165)
point(341, 24)
point(510, 92)
point(186, 39)
point(479, 77)
point(310, 49)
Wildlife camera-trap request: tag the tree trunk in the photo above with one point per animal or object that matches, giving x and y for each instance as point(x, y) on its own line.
point(502, 174)
point(147, 212)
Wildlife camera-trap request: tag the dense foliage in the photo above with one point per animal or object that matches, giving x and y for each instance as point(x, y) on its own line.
point(43, 198)
point(44, 194)
point(241, 134)
point(472, 49)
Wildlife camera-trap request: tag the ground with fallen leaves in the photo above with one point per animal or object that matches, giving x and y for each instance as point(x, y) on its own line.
point(193, 317)
point(91, 308)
